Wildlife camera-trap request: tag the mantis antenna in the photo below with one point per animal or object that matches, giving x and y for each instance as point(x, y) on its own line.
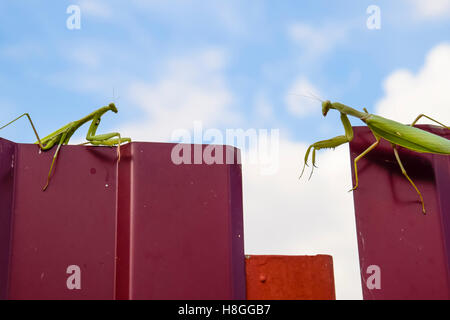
point(315, 97)
point(310, 96)
point(114, 96)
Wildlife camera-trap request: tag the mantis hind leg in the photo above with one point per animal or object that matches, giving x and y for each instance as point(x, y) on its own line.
point(407, 177)
point(423, 115)
point(373, 146)
point(32, 125)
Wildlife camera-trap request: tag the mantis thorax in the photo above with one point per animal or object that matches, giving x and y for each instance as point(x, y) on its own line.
point(342, 108)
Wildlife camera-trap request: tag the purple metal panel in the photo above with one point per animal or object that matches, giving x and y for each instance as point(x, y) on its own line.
point(123, 225)
point(185, 228)
point(72, 223)
point(7, 154)
point(146, 229)
point(441, 165)
point(410, 249)
point(237, 227)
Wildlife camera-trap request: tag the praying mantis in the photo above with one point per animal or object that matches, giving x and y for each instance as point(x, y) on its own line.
point(62, 136)
point(397, 134)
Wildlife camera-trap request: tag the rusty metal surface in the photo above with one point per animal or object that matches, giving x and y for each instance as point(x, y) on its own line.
point(146, 229)
point(411, 249)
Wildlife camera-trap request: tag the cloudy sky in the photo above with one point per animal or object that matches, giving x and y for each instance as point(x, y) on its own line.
point(235, 64)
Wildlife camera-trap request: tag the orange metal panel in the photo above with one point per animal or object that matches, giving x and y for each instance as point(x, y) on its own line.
point(290, 277)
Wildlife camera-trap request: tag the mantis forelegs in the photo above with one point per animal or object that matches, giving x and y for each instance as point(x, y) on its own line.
point(325, 144)
point(111, 142)
point(55, 156)
point(331, 143)
point(104, 139)
point(407, 177)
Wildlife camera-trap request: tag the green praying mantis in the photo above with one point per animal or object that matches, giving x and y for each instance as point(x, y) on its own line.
point(62, 136)
point(397, 134)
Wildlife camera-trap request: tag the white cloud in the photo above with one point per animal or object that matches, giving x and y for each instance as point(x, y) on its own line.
point(430, 9)
point(282, 214)
point(86, 56)
point(230, 15)
point(300, 98)
point(263, 107)
point(316, 42)
point(227, 14)
point(285, 215)
point(192, 88)
point(92, 66)
point(22, 50)
point(82, 82)
point(407, 94)
point(95, 8)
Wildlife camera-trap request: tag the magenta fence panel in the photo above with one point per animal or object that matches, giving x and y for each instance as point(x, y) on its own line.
point(141, 229)
point(410, 250)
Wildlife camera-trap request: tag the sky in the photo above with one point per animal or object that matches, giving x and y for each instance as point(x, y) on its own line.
point(230, 64)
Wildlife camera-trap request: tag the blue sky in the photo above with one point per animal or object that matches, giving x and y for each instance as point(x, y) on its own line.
point(230, 64)
point(120, 43)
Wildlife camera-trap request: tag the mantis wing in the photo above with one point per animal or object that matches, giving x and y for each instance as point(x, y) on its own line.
point(407, 136)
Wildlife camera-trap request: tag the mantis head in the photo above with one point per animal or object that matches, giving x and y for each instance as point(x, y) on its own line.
point(326, 105)
point(113, 107)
